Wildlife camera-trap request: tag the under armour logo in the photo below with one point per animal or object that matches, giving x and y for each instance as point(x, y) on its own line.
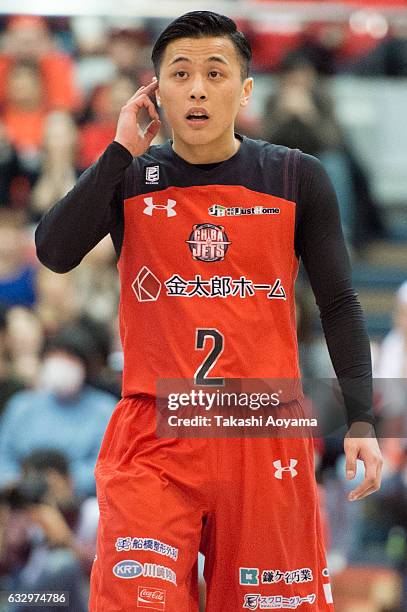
point(288, 468)
point(151, 206)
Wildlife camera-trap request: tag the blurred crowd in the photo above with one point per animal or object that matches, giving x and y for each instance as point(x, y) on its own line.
point(63, 82)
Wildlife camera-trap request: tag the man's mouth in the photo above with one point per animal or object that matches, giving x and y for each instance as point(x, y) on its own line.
point(197, 115)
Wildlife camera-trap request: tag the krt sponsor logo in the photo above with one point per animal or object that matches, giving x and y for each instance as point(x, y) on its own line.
point(217, 210)
point(208, 242)
point(169, 207)
point(128, 569)
point(151, 598)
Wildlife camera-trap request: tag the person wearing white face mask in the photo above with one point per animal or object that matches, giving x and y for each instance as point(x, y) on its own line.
point(48, 416)
point(62, 374)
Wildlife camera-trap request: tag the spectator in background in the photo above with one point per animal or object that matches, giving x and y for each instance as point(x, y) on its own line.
point(27, 38)
point(301, 115)
point(129, 51)
point(388, 59)
point(91, 291)
point(105, 53)
point(48, 416)
point(17, 276)
point(24, 337)
point(58, 303)
point(321, 45)
point(104, 109)
point(47, 535)
point(24, 114)
point(59, 154)
point(93, 66)
point(96, 283)
point(95, 340)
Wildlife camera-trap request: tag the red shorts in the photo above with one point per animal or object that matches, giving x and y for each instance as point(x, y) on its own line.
point(250, 505)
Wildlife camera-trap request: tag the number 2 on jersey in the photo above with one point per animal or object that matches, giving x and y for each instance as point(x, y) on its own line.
point(200, 376)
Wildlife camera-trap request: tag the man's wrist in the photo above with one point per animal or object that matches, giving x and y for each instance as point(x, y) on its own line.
point(126, 146)
point(361, 429)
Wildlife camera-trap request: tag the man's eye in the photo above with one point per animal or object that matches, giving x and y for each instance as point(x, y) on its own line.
point(214, 73)
point(181, 74)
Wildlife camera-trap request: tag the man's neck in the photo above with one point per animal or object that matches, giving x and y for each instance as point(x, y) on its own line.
point(215, 151)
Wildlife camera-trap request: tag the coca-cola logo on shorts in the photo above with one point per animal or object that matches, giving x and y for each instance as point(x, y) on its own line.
point(151, 598)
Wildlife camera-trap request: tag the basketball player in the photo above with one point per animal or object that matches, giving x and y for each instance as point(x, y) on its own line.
point(209, 229)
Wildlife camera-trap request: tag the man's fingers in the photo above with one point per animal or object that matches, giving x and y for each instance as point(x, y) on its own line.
point(365, 493)
point(145, 89)
point(371, 481)
point(369, 484)
point(152, 130)
point(351, 456)
point(377, 483)
point(143, 100)
point(139, 91)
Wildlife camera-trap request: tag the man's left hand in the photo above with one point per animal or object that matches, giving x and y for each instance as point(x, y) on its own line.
point(361, 443)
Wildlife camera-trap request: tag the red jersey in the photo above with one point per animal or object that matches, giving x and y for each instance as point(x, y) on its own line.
point(207, 268)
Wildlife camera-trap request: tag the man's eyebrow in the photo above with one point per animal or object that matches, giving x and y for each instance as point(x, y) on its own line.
point(179, 59)
point(212, 58)
point(217, 58)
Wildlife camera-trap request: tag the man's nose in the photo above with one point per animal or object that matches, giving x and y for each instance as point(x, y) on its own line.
point(198, 91)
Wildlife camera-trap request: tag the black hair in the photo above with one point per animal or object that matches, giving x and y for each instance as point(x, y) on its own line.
point(74, 339)
point(203, 24)
point(43, 459)
point(295, 60)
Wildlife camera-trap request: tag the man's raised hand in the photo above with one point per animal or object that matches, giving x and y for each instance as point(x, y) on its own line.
point(128, 132)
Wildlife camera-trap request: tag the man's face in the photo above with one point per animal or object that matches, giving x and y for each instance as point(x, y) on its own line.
point(202, 73)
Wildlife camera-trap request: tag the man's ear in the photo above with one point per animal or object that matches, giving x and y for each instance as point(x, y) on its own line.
point(246, 92)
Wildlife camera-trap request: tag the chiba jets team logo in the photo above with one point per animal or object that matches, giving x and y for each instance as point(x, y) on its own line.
point(208, 242)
